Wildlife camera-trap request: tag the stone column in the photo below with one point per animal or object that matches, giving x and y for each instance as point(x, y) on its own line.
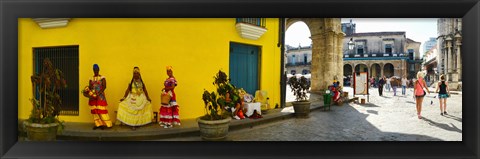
point(381, 69)
point(449, 60)
point(459, 61)
point(339, 53)
point(317, 61)
point(328, 62)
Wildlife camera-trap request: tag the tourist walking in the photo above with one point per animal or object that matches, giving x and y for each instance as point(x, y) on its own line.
point(404, 85)
point(443, 94)
point(389, 84)
point(419, 93)
point(381, 82)
point(394, 84)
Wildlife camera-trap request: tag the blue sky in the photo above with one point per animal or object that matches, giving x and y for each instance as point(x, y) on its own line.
point(417, 29)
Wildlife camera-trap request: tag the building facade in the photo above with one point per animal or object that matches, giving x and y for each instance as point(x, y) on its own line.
point(432, 42)
point(430, 65)
point(349, 28)
point(449, 50)
point(381, 54)
point(196, 48)
point(298, 59)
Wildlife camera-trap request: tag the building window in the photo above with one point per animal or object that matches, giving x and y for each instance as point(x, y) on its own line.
point(305, 59)
point(293, 59)
point(388, 48)
point(64, 58)
point(360, 49)
point(254, 21)
point(412, 67)
point(410, 53)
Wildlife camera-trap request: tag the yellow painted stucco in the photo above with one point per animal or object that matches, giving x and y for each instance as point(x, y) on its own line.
point(196, 48)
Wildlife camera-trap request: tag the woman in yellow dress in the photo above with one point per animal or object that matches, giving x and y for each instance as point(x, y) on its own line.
point(135, 108)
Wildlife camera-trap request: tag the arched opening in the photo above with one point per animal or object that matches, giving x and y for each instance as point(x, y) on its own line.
point(388, 70)
point(347, 74)
point(361, 68)
point(298, 51)
point(376, 70)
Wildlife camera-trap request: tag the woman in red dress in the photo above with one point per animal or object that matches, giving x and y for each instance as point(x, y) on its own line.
point(169, 115)
point(98, 102)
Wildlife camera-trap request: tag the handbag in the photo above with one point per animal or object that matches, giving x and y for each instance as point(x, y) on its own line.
point(424, 93)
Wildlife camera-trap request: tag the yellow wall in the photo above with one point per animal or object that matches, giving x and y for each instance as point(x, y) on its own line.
point(196, 48)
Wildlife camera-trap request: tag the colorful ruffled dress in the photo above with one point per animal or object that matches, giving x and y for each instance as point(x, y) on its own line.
point(98, 105)
point(169, 112)
point(135, 110)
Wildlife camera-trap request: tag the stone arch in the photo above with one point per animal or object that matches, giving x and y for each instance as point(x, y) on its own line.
point(388, 70)
point(375, 70)
point(347, 70)
point(361, 67)
point(327, 46)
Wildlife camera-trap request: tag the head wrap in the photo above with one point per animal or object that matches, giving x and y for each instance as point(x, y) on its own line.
point(169, 68)
point(95, 66)
point(136, 69)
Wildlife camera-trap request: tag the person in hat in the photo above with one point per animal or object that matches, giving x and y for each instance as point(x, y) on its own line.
point(135, 108)
point(98, 102)
point(169, 111)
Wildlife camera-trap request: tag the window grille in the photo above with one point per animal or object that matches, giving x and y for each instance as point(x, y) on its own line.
point(64, 58)
point(254, 21)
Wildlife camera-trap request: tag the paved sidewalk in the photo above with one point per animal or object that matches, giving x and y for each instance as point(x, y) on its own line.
point(189, 128)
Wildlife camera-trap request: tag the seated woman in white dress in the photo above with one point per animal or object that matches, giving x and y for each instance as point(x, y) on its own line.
point(135, 108)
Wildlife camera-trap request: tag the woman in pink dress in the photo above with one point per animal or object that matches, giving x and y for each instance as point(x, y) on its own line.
point(169, 115)
point(419, 93)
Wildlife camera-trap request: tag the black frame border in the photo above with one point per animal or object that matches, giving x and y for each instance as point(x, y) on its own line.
point(10, 10)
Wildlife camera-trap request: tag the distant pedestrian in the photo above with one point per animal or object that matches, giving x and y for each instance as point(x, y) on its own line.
point(394, 83)
point(419, 93)
point(381, 82)
point(389, 84)
point(404, 85)
point(372, 82)
point(443, 94)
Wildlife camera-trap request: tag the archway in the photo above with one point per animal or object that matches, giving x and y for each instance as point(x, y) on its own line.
point(347, 70)
point(347, 73)
point(388, 70)
point(361, 68)
point(376, 70)
point(327, 45)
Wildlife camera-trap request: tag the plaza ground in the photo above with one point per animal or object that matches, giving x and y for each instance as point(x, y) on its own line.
point(383, 118)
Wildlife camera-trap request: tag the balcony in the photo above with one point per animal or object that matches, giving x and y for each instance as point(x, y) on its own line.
point(251, 28)
point(299, 64)
point(45, 23)
point(374, 55)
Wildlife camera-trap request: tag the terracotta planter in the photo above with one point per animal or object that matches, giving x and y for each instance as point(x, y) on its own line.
point(41, 132)
point(214, 129)
point(302, 109)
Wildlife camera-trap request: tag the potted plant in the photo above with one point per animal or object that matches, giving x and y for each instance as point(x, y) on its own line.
point(43, 123)
point(299, 87)
point(214, 124)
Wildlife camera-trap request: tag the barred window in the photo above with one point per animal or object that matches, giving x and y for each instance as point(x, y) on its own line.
point(64, 58)
point(254, 21)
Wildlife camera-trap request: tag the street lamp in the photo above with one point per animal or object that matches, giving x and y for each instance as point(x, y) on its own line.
point(351, 44)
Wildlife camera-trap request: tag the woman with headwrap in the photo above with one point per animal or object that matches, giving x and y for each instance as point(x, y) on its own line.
point(135, 108)
point(98, 102)
point(169, 109)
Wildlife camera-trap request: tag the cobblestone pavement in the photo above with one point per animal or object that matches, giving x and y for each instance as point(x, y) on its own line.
point(387, 118)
